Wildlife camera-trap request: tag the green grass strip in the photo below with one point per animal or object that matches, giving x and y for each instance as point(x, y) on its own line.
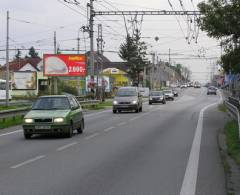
point(8, 122)
point(233, 142)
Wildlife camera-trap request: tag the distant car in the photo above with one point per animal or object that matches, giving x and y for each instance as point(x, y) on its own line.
point(175, 93)
point(169, 94)
point(183, 86)
point(58, 114)
point(197, 85)
point(157, 97)
point(127, 98)
point(212, 90)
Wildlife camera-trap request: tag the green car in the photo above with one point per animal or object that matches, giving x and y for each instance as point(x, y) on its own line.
point(58, 114)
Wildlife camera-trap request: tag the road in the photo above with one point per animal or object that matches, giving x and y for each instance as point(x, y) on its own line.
point(165, 150)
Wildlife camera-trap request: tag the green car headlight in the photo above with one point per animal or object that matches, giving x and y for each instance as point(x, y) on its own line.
point(58, 120)
point(28, 120)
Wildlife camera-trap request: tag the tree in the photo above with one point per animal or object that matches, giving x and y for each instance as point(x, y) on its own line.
point(220, 20)
point(179, 69)
point(18, 54)
point(133, 51)
point(32, 53)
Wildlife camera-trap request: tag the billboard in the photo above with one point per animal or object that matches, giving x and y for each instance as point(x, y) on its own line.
point(65, 65)
point(105, 82)
point(24, 81)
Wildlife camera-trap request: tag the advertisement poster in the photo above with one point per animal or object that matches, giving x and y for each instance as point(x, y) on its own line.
point(24, 81)
point(105, 82)
point(65, 65)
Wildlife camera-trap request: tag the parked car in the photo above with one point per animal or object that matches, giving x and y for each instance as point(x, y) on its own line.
point(127, 98)
point(197, 85)
point(169, 94)
point(157, 97)
point(57, 114)
point(183, 86)
point(212, 90)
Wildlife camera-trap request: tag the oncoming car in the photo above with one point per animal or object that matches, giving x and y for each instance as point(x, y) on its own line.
point(169, 94)
point(60, 114)
point(157, 97)
point(127, 98)
point(212, 90)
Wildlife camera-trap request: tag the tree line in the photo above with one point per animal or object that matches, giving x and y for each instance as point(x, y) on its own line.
point(221, 20)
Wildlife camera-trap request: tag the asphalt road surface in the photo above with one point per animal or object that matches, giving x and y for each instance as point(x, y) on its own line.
point(165, 150)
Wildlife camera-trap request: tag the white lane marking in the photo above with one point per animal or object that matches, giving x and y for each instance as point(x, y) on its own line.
point(28, 162)
point(190, 177)
point(122, 123)
point(108, 129)
point(91, 136)
point(134, 118)
point(66, 146)
point(18, 131)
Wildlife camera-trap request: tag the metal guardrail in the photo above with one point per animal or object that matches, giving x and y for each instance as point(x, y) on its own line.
point(18, 102)
point(13, 112)
point(234, 112)
point(89, 102)
point(22, 111)
point(234, 101)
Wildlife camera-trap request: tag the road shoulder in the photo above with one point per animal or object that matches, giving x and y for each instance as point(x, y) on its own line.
point(211, 176)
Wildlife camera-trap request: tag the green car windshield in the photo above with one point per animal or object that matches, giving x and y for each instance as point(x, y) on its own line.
point(126, 93)
point(51, 103)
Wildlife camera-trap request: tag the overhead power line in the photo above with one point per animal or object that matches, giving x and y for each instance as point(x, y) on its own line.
point(162, 12)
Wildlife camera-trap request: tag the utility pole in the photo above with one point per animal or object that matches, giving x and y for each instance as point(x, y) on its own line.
point(152, 71)
point(91, 35)
point(99, 53)
point(169, 56)
point(7, 62)
point(78, 44)
point(55, 78)
point(78, 51)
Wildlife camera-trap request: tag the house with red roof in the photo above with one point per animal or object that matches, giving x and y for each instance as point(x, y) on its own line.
point(26, 75)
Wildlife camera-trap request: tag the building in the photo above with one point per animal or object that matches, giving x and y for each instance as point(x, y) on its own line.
point(27, 76)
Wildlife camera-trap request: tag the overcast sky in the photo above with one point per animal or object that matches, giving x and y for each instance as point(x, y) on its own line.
point(33, 23)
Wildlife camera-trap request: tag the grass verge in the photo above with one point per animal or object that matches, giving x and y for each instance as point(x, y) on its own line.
point(8, 107)
point(11, 122)
point(100, 106)
point(232, 139)
point(222, 107)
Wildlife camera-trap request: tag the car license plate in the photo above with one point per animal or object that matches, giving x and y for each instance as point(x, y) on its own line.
point(42, 127)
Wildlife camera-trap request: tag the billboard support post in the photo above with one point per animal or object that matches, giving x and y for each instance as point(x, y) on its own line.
point(55, 87)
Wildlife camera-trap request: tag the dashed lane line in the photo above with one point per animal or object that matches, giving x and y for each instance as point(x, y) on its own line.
point(91, 136)
point(28, 162)
point(108, 129)
point(122, 123)
point(12, 132)
point(66, 146)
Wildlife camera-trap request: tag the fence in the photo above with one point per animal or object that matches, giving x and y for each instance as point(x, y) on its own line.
point(233, 109)
point(22, 111)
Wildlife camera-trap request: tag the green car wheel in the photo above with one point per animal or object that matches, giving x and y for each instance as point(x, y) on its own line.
point(80, 129)
point(70, 131)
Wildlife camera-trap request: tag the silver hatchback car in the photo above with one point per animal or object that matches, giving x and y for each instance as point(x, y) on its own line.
point(127, 98)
